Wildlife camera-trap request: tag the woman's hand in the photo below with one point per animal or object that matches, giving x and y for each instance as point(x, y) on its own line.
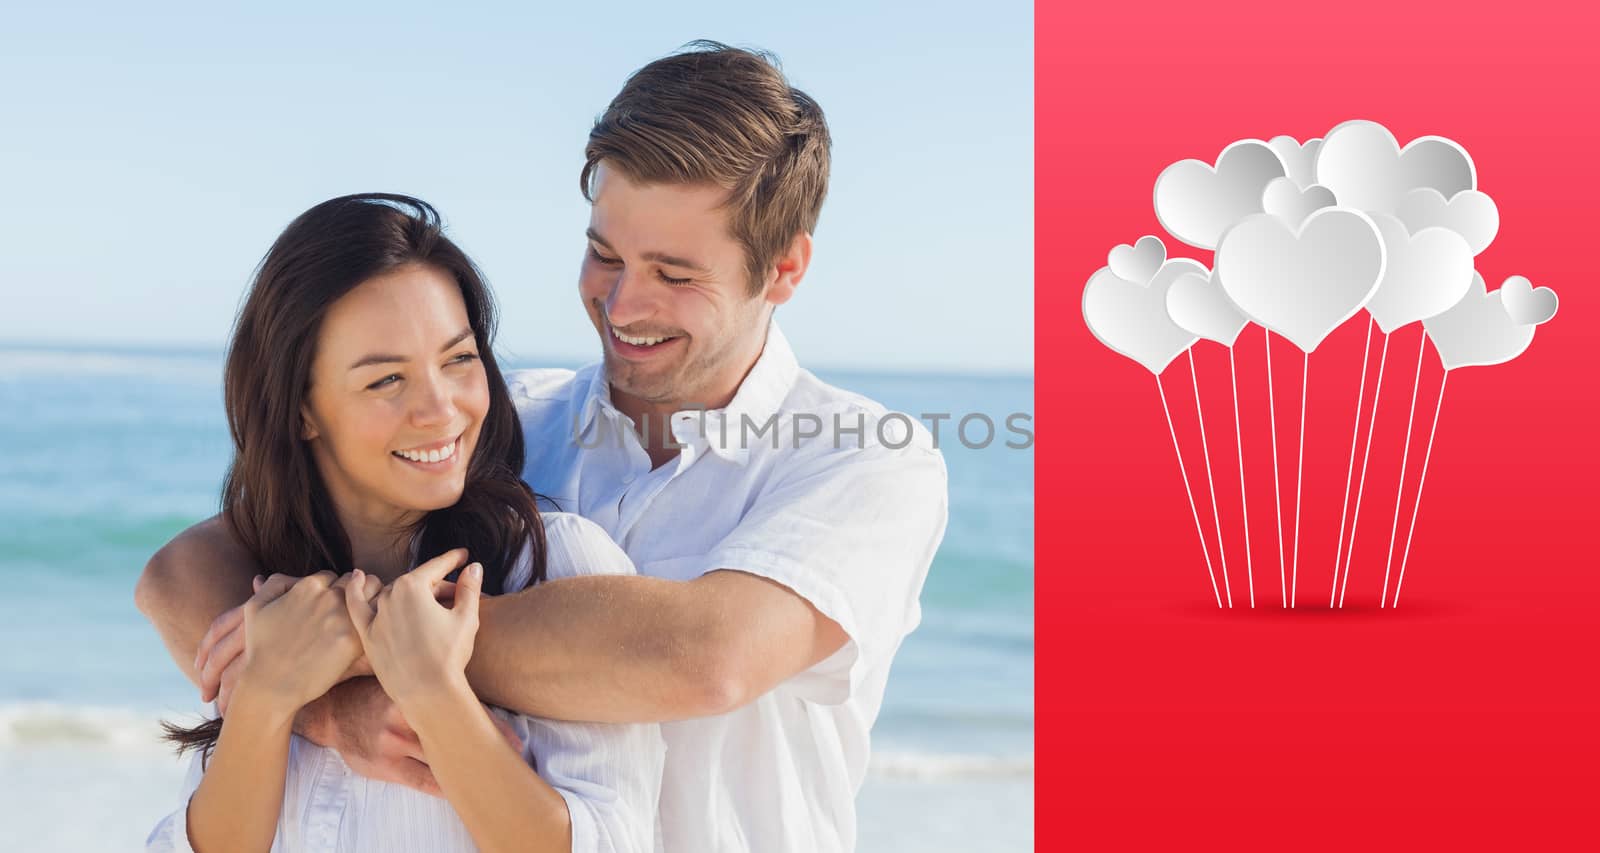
point(298, 638)
point(221, 655)
point(418, 647)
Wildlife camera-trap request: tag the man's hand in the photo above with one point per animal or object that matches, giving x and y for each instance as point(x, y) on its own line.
point(368, 731)
point(221, 654)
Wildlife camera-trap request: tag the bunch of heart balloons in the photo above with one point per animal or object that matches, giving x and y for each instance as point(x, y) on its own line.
point(1305, 237)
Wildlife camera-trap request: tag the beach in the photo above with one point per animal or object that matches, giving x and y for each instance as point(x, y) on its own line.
point(92, 797)
point(124, 448)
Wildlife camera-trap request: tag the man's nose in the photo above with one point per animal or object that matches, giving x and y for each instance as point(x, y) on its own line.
point(631, 299)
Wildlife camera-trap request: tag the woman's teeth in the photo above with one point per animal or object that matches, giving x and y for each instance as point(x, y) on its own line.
point(435, 455)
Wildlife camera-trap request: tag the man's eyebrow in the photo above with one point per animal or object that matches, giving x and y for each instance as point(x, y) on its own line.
point(658, 257)
point(384, 358)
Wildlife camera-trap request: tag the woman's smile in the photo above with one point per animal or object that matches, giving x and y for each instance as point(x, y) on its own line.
point(435, 457)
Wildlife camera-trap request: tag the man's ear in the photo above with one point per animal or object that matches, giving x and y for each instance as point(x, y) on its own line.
point(791, 267)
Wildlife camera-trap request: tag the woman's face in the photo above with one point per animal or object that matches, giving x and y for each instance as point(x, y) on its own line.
point(398, 396)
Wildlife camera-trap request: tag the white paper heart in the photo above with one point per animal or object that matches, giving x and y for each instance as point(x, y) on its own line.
point(1299, 161)
point(1425, 273)
point(1526, 305)
point(1198, 305)
point(1289, 202)
point(1132, 318)
point(1477, 330)
point(1470, 213)
point(1137, 263)
point(1301, 284)
point(1196, 202)
point(1367, 170)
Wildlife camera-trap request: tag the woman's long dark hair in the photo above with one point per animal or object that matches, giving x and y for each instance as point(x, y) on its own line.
point(274, 500)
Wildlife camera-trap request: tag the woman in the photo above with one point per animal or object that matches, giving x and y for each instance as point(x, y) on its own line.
point(372, 427)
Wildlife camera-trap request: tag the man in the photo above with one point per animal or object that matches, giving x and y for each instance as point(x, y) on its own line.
point(782, 528)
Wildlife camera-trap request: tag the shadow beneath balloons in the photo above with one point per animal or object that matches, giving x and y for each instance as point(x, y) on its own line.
point(1420, 610)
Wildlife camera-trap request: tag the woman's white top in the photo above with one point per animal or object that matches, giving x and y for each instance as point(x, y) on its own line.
point(609, 774)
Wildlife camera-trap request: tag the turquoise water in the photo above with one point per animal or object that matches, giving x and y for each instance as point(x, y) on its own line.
point(110, 453)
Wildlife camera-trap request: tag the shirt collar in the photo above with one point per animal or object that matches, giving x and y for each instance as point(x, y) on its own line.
point(769, 380)
point(596, 395)
point(759, 396)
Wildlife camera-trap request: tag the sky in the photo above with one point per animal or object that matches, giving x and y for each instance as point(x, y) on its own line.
point(150, 153)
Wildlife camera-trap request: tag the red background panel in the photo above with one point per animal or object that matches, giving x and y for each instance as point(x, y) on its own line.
point(1466, 718)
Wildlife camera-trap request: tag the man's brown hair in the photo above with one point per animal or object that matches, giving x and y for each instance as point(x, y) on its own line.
point(725, 116)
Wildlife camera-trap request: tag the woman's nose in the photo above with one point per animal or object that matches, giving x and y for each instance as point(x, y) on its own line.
point(433, 404)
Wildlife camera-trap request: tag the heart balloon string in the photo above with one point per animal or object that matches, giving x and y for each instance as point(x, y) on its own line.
point(1400, 489)
point(1304, 237)
point(1350, 467)
point(1244, 503)
point(1277, 488)
point(1366, 456)
point(1299, 474)
point(1184, 473)
point(1205, 451)
point(1416, 505)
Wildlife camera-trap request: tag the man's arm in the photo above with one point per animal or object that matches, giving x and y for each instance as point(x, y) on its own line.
point(189, 583)
point(852, 533)
point(197, 578)
point(195, 583)
point(201, 577)
point(834, 552)
point(638, 649)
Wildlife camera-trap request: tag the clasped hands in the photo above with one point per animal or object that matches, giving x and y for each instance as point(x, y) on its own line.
point(297, 639)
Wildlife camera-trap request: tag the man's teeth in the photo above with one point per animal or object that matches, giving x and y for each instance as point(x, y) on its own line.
point(437, 455)
point(638, 342)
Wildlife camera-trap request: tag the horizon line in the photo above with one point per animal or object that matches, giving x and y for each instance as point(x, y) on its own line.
point(517, 359)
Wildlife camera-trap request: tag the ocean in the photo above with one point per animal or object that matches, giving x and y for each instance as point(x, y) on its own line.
point(110, 452)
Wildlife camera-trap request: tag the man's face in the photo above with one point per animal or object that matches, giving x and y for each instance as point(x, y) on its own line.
point(665, 285)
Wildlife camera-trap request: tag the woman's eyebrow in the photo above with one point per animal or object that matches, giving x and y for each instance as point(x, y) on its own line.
point(384, 358)
point(377, 358)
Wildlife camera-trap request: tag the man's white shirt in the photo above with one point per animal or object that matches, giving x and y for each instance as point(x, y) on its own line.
point(821, 490)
